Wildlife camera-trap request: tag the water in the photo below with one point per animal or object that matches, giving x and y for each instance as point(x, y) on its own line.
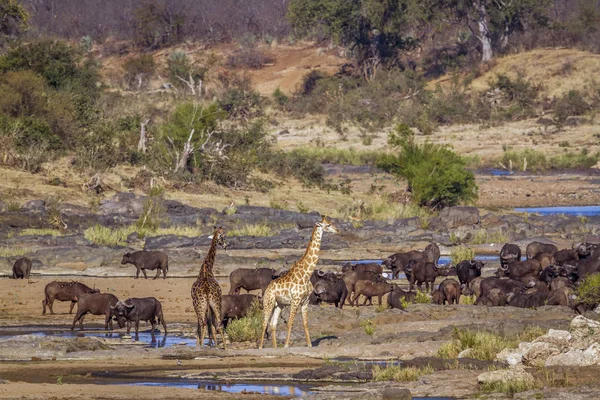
point(144, 339)
point(587, 211)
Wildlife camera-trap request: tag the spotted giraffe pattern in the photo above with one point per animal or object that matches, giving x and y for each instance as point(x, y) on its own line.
point(294, 288)
point(206, 292)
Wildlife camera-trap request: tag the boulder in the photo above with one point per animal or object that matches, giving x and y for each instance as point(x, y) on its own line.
point(558, 338)
point(505, 375)
point(34, 206)
point(576, 357)
point(538, 353)
point(453, 217)
point(123, 203)
point(585, 330)
point(510, 356)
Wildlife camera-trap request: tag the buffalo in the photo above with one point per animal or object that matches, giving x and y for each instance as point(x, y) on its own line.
point(507, 285)
point(566, 255)
point(424, 272)
point(366, 267)
point(370, 289)
point(396, 296)
point(496, 297)
point(527, 300)
point(398, 262)
point(431, 253)
point(136, 310)
point(467, 270)
point(519, 269)
point(535, 248)
point(583, 267)
point(350, 278)
point(95, 304)
point(330, 289)
point(251, 279)
point(450, 290)
point(560, 282)
point(64, 291)
point(509, 252)
point(21, 268)
point(545, 259)
point(437, 297)
point(147, 260)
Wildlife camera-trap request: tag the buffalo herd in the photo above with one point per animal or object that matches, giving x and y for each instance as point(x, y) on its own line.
point(547, 276)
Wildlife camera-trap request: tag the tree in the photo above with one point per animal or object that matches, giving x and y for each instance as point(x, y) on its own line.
point(436, 175)
point(371, 29)
point(13, 19)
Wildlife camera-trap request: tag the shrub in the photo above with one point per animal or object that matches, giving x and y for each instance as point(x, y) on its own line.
point(280, 98)
point(138, 70)
point(589, 290)
point(302, 165)
point(156, 25)
point(248, 57)
point(460, 253)
point(400, 374)
point(509, 386)
point(436, 176)
point(105, 236)
point(240, 101)
point(369, 326)
point(248, 328)
point(572, 103)
point(154, 211)
point(422, 298)
point(252, 230)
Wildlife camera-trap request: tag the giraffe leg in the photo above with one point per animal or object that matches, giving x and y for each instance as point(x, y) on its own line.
point(274, 320)
point(304, 310)
point(268, 306)
point(201, 306)
point(293, 310)
point(215, 306)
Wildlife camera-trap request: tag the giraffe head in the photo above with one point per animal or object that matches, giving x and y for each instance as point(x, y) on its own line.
point(327, 225)
point(219, 236)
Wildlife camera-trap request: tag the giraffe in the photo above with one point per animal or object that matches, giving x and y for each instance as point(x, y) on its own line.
point(294, 288)
point(206, 292)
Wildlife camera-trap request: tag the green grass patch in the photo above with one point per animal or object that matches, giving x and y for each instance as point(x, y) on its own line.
point(248, 328)
point(589, 290)
point(340, 156)
point(422, 298)
point(105, 236)
point(510, 386)
point(398, 374)
point(369, 326)
point(6, 251)
point(252, 230)
point(41, 232)
point(460, 253)
point(483, 237)
point(382, 209)
point(468, 300)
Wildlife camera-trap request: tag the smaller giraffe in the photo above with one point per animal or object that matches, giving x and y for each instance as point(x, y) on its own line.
point(294, 288)
point(206, 293)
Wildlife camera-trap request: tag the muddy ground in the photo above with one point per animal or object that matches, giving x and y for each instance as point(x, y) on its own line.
point(90, 367)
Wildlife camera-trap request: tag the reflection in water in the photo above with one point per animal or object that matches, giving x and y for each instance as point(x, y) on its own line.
point(270, 388)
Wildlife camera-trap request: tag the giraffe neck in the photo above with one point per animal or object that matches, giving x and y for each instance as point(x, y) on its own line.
point(207, 265)
point(308, 262)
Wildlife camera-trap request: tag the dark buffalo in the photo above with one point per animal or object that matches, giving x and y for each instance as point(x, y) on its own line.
point(424, 272)
point(251, 279)
point(509, 252)
point(584, 267)
point(506, 285)
point(237, 306)
point(135, 310)
point(350, 278)
point(527, 300)
point(95, 304)
point(431, 253)
point(561, 282)
point(496, 297)
point(559, 297)
point(396, 296)
point(366, 267)
point(147, 260)
point(565, 256)
point(519, 269)
point(450, 290)
point(21, 268)
point(370, 289)
point(437, 297)
point(330, 289)
point(535, 248)
point(467, 270)
point(398, 262)
point(549, 274)
point(473, 288)
point(64, 291)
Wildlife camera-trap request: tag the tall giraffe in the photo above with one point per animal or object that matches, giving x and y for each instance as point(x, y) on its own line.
point(206, 292)
point(294, 288)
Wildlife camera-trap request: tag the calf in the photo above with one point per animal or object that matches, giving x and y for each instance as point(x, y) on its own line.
point(251, 279)
point(147, 260)
point(437, 297)
point(136, 310)
point(21, 268)
point(396, 296)
point(370, 289)
point(64, 291)
point(474, 287)
point(95, 304)
point(424, 272)
point(496, 297)
point(350, 278)
point(450, 290)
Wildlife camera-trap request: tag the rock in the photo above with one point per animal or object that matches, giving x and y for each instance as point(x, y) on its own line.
point(584, 326)
point(466, 353)
point(454, 217)
point(505, 375)
point(538, 353)
point(123, 203)
point(560, 339)
point(396, 394)
point(510, 356)
point(34, 206)
point(572, 358)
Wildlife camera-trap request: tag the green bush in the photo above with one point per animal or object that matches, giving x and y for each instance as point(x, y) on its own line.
point(153, 213)
point(589, 290)
point(436, 176)
point(155, 25)
point(248, 328)
point(280, 98)
point(460, 253)
point(306, 167)
point(570, 104)
point(139, 70)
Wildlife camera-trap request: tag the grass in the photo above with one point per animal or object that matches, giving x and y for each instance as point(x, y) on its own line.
point(468, 300)
point(382, 209)
point(252, 230)
point(422, 298)
point(248, 328)
point(482, 237)
point(460, 253)
point(369, 326)
point(484, 345)
point(105, 236)
point(535, 160)
point(589, 290)
point(398, 374)
point(510, 386)
point(6, 251)
point(340, 156)
point(41, 232)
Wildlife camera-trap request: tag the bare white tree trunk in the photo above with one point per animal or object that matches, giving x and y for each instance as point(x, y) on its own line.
point(484, 32)
point(184, 156)
point(142, 143)
point(192, 85)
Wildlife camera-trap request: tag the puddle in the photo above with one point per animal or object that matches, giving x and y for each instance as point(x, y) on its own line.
point(587, 211)
point(144, 339)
